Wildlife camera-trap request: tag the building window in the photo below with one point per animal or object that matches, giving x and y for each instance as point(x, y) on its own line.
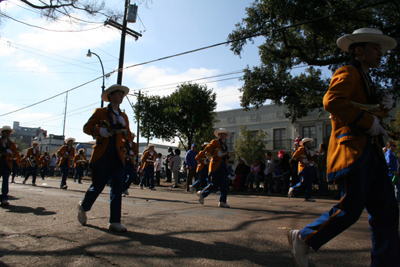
point(310, 131)
point(280, 141)
point(253, 116)
point(229, 119)
point(230, 142)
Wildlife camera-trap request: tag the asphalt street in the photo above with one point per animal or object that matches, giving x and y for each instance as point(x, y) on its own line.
point(166, 227)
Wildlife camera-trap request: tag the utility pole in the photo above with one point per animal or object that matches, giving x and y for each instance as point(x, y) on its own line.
point(122, 48)
point(65, 113)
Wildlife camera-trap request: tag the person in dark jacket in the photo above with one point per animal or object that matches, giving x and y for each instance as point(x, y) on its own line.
point(286, 170)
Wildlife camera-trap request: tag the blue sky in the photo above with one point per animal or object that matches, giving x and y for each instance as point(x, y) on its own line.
point(36, 64)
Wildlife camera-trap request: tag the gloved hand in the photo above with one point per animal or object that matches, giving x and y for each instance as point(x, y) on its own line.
point(131, 152)
point(221, 154)
point(121, 120)
point(377, 129)
point(9, 151)
point(306, 161)
point(104, 132)
point(387, 101)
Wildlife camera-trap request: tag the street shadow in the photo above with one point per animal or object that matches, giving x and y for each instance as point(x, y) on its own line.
point(39, 211)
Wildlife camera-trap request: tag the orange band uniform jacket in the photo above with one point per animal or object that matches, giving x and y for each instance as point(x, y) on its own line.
point(36, 156)
point(62, 153)
point(134, 148)
point(44, 160)
point(349, 143)
point(201, 157)
point(78, 160)
point(146, 156)
point(22, 162)
point(300, 154)
point(212, 152)
point(92, 127)
point(11, 146)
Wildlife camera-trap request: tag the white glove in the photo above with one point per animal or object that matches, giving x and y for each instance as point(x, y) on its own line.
point(306, 161)
point(377, 129)
point(121, 120)
point(104, 133)
point(131, 152)
point(387, 102)
point(221, 154)
point(9, 151)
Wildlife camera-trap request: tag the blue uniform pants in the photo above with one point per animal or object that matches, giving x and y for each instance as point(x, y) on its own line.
point(5, 174)
point(64, 170)
point(367, 187)
point(148, 172)
point(78, 173)
point(129, 174)
point(111, 166)
point(43, 172)
point(31, 171)
point(305, 183)
point(219, 179)
point(203, 177)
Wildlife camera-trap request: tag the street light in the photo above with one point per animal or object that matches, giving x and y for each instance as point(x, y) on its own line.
point(89, 54)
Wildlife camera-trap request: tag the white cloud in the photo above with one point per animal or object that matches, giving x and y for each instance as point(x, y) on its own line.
point(33, 64)
point(67, 41)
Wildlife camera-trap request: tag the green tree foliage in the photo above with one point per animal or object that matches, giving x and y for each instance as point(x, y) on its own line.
point(188, 114)
point(250, 147)
point(20, 143)
point(309, 44)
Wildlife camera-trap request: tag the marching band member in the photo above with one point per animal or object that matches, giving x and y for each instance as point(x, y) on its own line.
point(132, 151)
point(79, 164)
point(67, 153)
point(217, 150)
point(15, 165)
point(32, 159)
point(8, 151)
point(110, 127)
point(22, 165)
point(202, 168)
point(148, 159)
point(304, 155)
point(44, 164)
point(354, 159)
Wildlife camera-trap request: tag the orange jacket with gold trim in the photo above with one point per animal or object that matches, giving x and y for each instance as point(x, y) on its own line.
point(212, 152)
point(66, 153)
point(30, 157)
point(148, 159)
point(349, 143)
point(300, 154)
point(44, 160)
point(100, 148)
point(9, 157)
point(201, 157)
point(79, 160)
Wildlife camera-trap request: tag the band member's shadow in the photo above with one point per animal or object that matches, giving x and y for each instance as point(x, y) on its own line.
point(40, 211)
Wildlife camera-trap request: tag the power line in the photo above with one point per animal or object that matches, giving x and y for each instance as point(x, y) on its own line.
point(34, 26)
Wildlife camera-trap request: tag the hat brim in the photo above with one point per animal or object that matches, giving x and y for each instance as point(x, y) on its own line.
point(306, 140)
point(34, 143)
point(7, 129)
point(386, 42)
point(228, 134)
point(113, 88)
point(70, 139)
point(151, 145)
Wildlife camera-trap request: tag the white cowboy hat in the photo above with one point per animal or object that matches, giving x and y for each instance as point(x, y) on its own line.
point(206, 143)
point(70, 139)
point(367, 35)
point(34, 142)
point(7, 128)
point(113, 88)
point(80, 149)
point(149, 145)
point(305, 140)
point(222, 130)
